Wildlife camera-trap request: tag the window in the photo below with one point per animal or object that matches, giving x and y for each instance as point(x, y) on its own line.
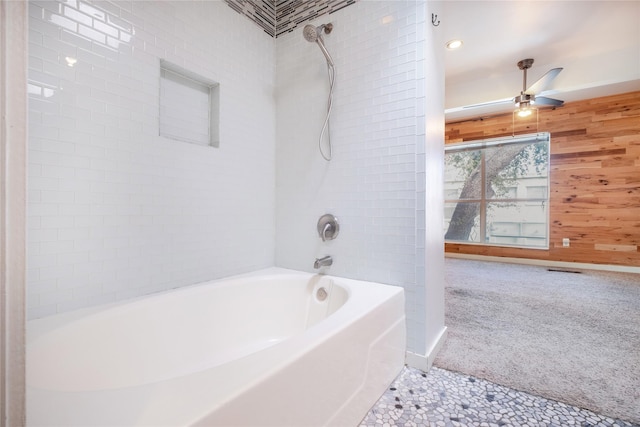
point(497, 191)
point(189, 106)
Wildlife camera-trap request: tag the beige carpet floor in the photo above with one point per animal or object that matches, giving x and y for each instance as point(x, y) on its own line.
point(571, 337)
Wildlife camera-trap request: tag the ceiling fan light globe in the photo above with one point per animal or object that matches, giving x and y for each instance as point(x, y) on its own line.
point(524, 112)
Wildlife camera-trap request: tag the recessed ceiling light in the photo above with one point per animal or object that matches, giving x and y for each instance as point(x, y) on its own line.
point(454, 44)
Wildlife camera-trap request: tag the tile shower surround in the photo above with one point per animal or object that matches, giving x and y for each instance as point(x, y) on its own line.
point(115, 211)
point(377, 127)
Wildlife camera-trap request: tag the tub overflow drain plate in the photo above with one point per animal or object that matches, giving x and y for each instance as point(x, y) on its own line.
point(321, 294)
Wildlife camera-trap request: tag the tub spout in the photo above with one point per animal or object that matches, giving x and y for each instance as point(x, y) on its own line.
point(323, 262)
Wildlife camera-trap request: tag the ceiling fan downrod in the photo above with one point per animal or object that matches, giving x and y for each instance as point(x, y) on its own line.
point(524, 100)
point(524, 65)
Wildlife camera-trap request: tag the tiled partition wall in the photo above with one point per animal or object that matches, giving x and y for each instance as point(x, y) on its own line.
point(115, 210)
point(375, 182)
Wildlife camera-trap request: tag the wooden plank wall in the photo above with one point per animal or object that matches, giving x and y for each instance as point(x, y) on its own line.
point(595, 179)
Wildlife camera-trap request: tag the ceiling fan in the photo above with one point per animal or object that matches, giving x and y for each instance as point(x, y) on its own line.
point(528, 96)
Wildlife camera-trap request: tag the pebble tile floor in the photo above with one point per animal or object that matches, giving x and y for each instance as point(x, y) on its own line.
point(445, 398)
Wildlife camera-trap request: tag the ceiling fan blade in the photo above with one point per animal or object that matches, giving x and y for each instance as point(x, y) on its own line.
point(543, 100)
point(543, 82)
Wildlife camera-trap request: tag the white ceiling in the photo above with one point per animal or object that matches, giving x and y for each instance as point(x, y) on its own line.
point(596, 42)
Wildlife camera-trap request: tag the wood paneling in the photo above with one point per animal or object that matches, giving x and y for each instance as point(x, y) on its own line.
point(594, 178)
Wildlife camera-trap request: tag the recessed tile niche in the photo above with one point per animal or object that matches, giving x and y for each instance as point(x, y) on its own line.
point(189, 106)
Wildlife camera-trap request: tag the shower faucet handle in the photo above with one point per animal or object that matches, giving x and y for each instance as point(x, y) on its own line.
point(328, 227)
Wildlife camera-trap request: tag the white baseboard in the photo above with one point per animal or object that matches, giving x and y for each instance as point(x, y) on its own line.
point(546, 263)
point(424, 362)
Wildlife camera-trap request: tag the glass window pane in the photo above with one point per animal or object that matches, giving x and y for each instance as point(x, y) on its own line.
point(460, 167)
point(517, 223)
point(497, 191)
point(511, 168)
point(536, 191)
point(462, 221)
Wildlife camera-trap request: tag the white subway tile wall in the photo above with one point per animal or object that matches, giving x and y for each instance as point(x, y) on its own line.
point(374, 184)
point(115, 210)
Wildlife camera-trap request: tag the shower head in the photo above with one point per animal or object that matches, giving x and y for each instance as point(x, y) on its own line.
point(311, 33)
point(314, 34)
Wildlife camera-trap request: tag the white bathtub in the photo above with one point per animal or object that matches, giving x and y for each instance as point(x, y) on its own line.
point(253, 350)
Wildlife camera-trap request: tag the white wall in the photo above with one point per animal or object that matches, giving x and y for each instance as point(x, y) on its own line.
point(376, 182)
point(115, 210)
point(433, 216)
point(13, 167)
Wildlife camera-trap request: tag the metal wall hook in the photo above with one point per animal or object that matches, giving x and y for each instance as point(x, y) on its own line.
point(434, 18)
